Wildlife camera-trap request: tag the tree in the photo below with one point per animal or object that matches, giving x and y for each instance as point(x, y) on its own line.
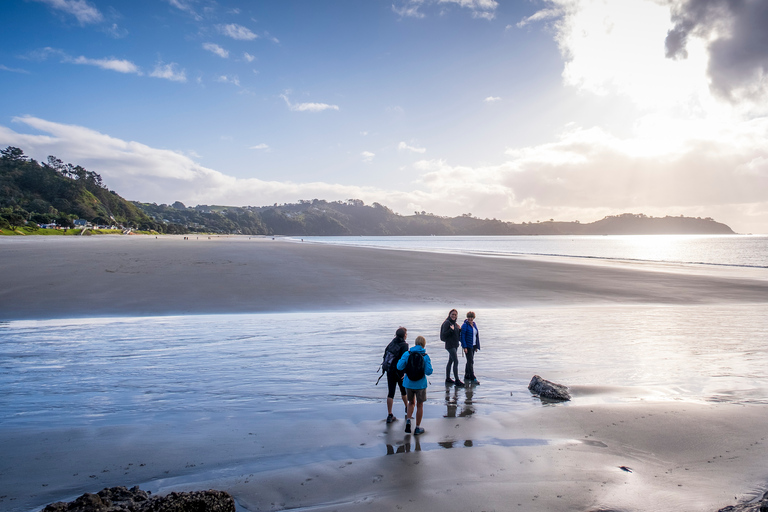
point(16, 217)
point(13, 154)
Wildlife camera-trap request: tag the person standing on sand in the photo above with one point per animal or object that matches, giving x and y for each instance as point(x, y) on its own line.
point(450, 333)
point(417, 389)
point(470, 342)
point(395, 376)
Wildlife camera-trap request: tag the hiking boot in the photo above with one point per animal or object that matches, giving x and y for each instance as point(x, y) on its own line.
point(408, 426)
point(418, 431)
point(391, 418)
point(449, 382)
point(459, 384)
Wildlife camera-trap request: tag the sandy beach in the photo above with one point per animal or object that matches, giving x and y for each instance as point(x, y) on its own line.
point(60, 277)
point(596, 453)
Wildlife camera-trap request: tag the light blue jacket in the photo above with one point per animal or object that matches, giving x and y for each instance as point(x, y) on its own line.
point(421, 383)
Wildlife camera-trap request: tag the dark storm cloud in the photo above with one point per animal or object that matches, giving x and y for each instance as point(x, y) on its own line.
point(738, 47)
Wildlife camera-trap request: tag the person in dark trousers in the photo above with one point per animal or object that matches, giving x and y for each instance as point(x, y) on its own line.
point(470, 342)
point(450, 333)
point(395, 376)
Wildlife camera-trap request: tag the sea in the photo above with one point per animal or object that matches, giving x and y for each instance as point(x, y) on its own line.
point(294, 367)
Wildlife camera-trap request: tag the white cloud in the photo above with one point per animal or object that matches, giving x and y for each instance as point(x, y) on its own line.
point(367, 156)
point(119, 65)
point(585, 174)
point(236, 31)
point(479, 8)
point(116, 31)
point(261, 146)
point(308, 107)
point(544, 14)
point(13, 70)
point(80, 9)
point(142, 173)
point(405, 147)
point(408, 11)
point(185, 7)
point(247, 56)
point(169, 72)
point(492, 99)
point(218, 50)
point(225, 79)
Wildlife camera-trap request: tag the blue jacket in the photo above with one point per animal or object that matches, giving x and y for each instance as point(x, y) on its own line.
point(421, 383)
point(467, 333)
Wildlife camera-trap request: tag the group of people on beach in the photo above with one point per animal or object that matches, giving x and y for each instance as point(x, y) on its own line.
point(408, 368)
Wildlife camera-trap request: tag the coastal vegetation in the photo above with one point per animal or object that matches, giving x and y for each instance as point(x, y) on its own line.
point(36, 196)
point(54, 197)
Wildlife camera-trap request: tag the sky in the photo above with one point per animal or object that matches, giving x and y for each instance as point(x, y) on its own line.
point(519, 110)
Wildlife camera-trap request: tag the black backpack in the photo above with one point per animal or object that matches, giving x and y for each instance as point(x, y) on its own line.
point(414, 368)
point(390, 353)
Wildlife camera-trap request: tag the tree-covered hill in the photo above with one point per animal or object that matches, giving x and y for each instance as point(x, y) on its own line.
point(59, 193)
point(352, 217)
point(32, 193)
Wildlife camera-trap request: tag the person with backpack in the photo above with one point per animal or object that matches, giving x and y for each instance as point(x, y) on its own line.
point(416, 365)
point(470, 342)
point(392, 354)
point(450, 333)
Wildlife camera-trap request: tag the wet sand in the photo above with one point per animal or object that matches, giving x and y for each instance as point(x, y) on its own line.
point(586, 456)
point(56, 277)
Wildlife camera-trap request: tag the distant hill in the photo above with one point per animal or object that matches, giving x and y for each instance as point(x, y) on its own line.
point(31, 192)
point(353, 217)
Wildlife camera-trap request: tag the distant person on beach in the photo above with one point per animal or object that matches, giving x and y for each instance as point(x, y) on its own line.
point(450, 333)
point(416, 365)
point(397, 347)
point(470, 342)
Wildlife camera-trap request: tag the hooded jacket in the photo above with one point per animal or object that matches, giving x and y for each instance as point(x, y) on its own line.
point(422, 382)
point(451, 337)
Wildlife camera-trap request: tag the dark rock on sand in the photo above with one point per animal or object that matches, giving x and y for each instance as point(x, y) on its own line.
point(547, 389)
point(120, 499)
point(756, 506)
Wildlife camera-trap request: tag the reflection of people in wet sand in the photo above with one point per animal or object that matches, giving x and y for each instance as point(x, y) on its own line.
point(416, 387)
point(468, 409)
point(470, 342)
point(450, 333)
point(452, 403)
point(405, 447)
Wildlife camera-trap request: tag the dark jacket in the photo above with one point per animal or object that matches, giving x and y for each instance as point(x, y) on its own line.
point(402, 348)
point(451, 337)
point(467, 333)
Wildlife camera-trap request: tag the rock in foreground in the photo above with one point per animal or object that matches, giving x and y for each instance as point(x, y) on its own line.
point(121, 499)
point(547, 389)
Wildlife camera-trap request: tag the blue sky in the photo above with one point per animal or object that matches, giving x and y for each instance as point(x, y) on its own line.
point(522, 110)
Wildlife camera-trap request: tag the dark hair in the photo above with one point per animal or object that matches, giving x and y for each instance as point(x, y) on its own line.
point(453, 311)
point(471, 314)
point(400, 332)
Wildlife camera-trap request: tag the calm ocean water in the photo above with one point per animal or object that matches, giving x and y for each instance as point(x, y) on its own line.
point(117, 371)
point(712, 250)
